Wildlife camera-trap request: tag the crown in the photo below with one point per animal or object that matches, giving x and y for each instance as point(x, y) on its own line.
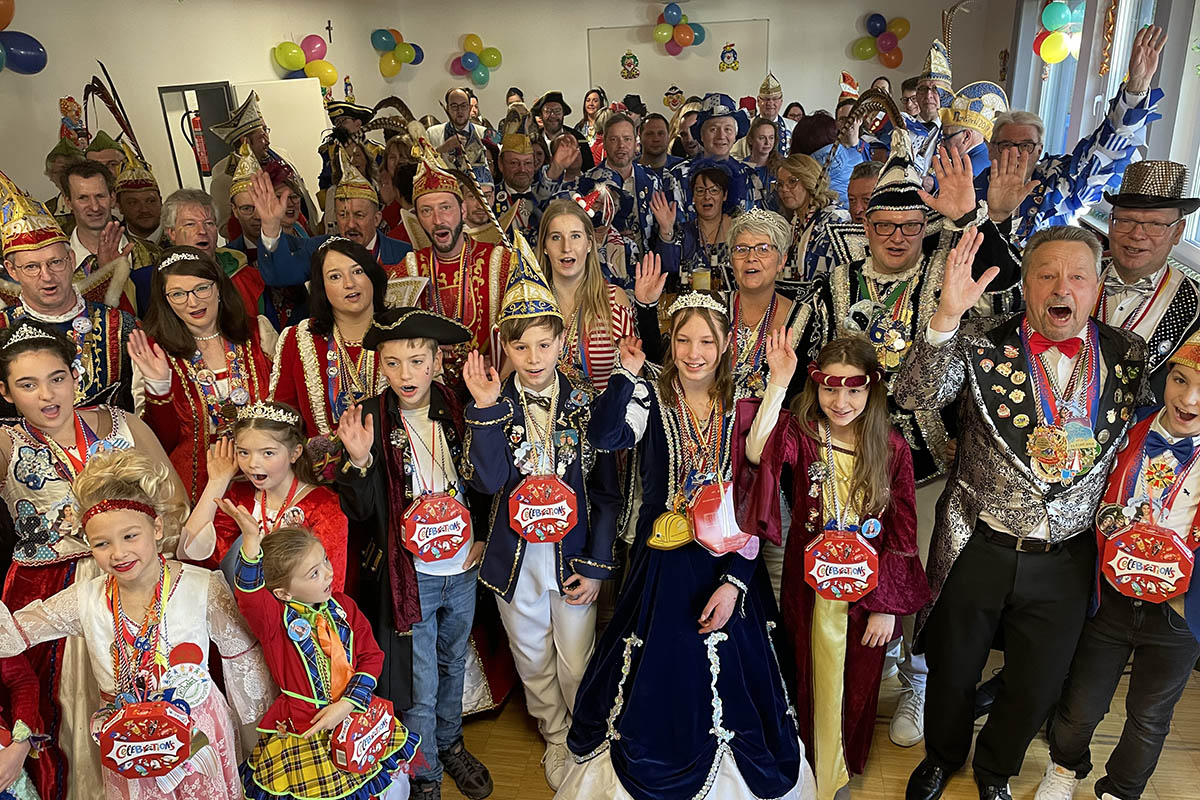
point(272, 412)
point(177, 257)
point(697, 300)
point(330, 240)
point(29, 333)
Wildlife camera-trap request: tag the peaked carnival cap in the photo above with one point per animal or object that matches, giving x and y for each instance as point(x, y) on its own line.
point(515, 127)
point(353, 184)
point(25, 223)
point(244, 120)
point(900, 181)
point(102, 141)
point(243, 174)
point(770, 87)
point(937, 68)
point(135, 174)
point(849, 87)
point(975, 106)
point(527, 294)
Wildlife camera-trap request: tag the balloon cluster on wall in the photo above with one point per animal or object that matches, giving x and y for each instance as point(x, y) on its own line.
point(883, 40)
point(20, 52)
point(674, 32)
point(306, 60)
point(394, 52)
point(476, 60)
point(1061, 31)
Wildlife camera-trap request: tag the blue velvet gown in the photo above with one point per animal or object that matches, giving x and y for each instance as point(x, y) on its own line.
point(667, 703)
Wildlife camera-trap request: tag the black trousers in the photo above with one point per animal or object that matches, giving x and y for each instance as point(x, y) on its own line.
point(1164, 652)
point(1039, 602)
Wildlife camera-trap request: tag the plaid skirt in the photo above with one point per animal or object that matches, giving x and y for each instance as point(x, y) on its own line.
point(286, 765)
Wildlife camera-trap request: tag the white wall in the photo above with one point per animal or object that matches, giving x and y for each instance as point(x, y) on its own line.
point(146, 44)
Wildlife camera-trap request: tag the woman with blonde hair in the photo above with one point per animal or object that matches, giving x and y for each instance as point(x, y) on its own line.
point(806, 200)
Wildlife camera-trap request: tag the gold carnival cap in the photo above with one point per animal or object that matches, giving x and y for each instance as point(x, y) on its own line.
point(770, 87)
point(243, 174)
point(527, 293)
point(353, 184)
point(26, 223)
point(135, 174)
point(975, 106)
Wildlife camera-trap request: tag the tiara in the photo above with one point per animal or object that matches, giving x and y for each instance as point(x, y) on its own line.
point(848, 381)
point(117, 505)
point(177, 257)
point(331, 240)
point(269, 411)
point(29, 333)
point(697, 300)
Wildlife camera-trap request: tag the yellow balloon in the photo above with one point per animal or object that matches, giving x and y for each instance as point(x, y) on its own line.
point(323, 71)
point(472, 43)
point(899, 26)
point(389, 65)
point(1055, 47)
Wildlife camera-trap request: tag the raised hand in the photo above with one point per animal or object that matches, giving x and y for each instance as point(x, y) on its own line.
point(1007, 184)
point(149, 358)
point(109, 248)
point(222, 462)
point(251, 531)
point(270, 208)
point(1143, 58)
point(781, 357)
point(483, 382)
point(566, 150)
point(357, 434)
point(960, 291)
point(649, 280)
point(632, 357)
point(664, 214)
point(956, 185)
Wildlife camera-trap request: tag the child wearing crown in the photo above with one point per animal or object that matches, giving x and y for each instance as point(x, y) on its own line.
point(555, 506)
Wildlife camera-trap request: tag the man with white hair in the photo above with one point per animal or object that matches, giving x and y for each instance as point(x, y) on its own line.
point(1067, 186)
point(769, 106)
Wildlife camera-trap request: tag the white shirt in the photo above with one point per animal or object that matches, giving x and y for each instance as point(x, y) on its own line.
point(82, 253)
point(440, 478)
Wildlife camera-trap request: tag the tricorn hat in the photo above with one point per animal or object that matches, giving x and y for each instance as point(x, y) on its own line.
point(550, 97)
point(1154, 184)
point(407, 322)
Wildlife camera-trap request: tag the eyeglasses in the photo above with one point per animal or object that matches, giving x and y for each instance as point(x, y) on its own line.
point(1154, 230)
point(202, 292)
point(790, 184)
point(926, 90)
point(909, 229)
point(909, 100)
point(246, 210)
point(744, 250)
point(707, 191)
point(34, 268)
point(949, 137)
point(1025, 147)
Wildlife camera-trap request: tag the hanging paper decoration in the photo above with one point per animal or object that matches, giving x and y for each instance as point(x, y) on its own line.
point(674, 32)
point(476, 60)
point(729, 57)
point(882, 41)
point(1060, 32)
point(673, 98)
point(629, 66)
point(394, 52)
point(1110, 25)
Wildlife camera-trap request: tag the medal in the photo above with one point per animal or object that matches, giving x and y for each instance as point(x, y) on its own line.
point(239, 396)
point(82, 325)
point(299, 629)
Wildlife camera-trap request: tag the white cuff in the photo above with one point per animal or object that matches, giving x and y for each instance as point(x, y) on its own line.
point(764, 422)
point(939, 338)
point(269, 243)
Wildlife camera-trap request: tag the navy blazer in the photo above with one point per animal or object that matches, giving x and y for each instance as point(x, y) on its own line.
point(492, 435)
point(290, 263)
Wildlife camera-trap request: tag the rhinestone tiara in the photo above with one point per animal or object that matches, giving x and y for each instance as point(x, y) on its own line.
point(29, 333)
point(272, 412)
point(697, 300)
point(175, 258)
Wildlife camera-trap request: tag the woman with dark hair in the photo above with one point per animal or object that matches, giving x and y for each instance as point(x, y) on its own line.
point(201, 356)
point(321, 367)
point(794, 112)
point(697, 251)
point(593, 101)
point(816, 130)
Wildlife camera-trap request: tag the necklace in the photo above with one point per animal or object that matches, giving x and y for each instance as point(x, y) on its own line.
point(436, 461)
point(268, 522)
point(68, 465)
point(208, 338)
point(140, 653)
point(541, 436)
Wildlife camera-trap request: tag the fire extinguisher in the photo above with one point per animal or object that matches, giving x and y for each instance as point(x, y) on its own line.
point(196, 140)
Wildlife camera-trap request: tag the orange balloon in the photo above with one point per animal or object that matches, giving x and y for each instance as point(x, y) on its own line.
point(392, 31)
point(684, 35)
point(7, 8)
point(892, 58)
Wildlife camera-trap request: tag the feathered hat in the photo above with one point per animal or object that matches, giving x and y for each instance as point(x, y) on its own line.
point(26, 223)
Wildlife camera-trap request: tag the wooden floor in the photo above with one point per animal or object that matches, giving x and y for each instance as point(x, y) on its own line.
point(507, 741)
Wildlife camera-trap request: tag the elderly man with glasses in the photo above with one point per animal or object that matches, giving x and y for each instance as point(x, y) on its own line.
point(1065, 187)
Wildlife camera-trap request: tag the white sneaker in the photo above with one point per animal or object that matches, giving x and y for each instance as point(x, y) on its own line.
point(908, 723)
point(555, 760)
point(1057, 784)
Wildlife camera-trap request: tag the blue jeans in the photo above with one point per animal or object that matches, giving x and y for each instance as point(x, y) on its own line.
point(439, 662)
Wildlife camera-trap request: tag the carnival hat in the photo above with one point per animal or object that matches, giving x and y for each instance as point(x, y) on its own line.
point(244, 120)
point(515, 129)
point(975, 106)
point(135, 174)
point(1188, 353)
point(353, 185)
point(482, 175)
point(341, 109)
point(900, 181)
point(634, 105)
point(550, 97)
point(715, 106)
point(26, 223)
point(937, 70)
point(243, 174)
point(527, 294)
point(103, 141)
point(407, 322)
point(770, 87)
point(849, 88)
point(65, 147)
point(1154, 184)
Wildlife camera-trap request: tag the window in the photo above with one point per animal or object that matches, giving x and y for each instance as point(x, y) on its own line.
point(1054, 107)
point(1131, 17)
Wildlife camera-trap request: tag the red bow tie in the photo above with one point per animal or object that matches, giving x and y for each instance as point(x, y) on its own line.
point(1068, 347)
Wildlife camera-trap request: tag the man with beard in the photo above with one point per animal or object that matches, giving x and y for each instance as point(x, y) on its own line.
point(139, 199)
point(356, 206)
point(655, 137)
point(552, 110)
point(460, 141)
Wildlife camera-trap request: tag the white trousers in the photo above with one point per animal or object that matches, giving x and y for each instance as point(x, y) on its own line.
point(913, 670)
point(551, 641)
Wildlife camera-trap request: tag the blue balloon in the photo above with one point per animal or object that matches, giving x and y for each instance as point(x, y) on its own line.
point(382, 40)
point(470, 61)
point(876, 24)
point(296, 73)
point(25, 54)
point(419, 54)
point(672, 14)
point(698, 32)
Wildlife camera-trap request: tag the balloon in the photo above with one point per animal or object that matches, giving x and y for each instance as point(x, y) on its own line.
point(395, 35)
point(456, 67)
point(472, 44)
point(7, 7)
point(322, 70)
point(672, 14)
point(661, 19)
point(1037, 43)
point(683, 19)
point(683, 35)
point(490, 57)
point(389, 65)
point(1077, 16)
point(418, 55)
point(382, 40)
point(673, 48)
point(289, 56)
point(470, 61)
point(480, 75)
point(876, 24)
point(296, 73)
point(1055, 48)
point(663, 33)
point(886, 41)
point(865, 48)
point(1055, 15)
point(313, 47)
point(892, 58)
point(697, 33)
point(405, 53)
point(899, 26)
point(25, 55)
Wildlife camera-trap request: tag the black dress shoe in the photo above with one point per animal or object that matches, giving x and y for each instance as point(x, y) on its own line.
point(987, 792)
point(927, 782)
point(987, 693)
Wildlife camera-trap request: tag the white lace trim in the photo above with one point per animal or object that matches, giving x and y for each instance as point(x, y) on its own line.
point(868, 269)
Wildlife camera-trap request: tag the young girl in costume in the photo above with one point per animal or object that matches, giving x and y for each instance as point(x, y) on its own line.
point(147, 622)
point(321, 651)
point(852, 472)
point(280, 490)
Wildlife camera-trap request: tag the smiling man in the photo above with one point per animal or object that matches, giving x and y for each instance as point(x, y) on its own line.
point(719, 124)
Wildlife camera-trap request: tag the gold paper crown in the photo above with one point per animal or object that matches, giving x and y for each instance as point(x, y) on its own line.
point(271, 412)
point(25, 223)
point(243, 175)
point(135, 174)
point(697, 300)
point(976, 106)
point(770, 87)
point(27, 332)
point(353, 184)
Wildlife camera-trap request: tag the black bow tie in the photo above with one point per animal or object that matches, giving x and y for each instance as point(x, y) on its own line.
point(537, 400)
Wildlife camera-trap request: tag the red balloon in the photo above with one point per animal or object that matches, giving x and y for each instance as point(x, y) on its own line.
point(892, 58)
point(673, 48)
point(456, 67)
point(1037, 43)
point(684, 35)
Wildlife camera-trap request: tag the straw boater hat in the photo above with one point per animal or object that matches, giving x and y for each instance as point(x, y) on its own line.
point(1154, 184)
point(975, 106)
point(246, 119)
